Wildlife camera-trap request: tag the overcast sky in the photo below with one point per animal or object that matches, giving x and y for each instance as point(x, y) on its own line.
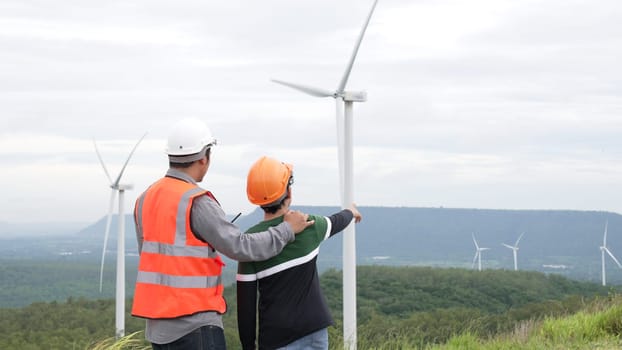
point(509, 104)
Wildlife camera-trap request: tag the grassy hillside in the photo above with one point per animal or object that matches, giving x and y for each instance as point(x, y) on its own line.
point(598, 325)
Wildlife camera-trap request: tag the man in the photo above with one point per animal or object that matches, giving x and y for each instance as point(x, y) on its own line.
point(181, 229)
point(292, 309)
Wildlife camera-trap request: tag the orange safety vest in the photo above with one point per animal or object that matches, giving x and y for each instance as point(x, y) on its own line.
point(178, 274)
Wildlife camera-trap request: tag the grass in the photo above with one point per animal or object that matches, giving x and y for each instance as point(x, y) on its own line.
point(598, 326)
point(134, 341)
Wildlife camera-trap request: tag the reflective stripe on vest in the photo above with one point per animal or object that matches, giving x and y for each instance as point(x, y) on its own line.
point(178, 274)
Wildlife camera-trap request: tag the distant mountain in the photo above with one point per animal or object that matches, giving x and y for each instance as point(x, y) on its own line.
point(16, 230)
point(554, 240)
point(560, 241)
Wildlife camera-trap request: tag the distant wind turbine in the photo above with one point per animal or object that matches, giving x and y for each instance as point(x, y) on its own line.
point(604, 249)
point(345, 99)
point(515, 250)
point(478, 254)
point(116, 186)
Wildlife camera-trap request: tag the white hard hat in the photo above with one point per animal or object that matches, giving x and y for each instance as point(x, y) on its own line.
point(188, 136)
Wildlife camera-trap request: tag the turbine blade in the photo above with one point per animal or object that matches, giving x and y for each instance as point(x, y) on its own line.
point(116, 183)
point(101, 161)
point(346, 74)
point(605, 235)
point(518, 240)
point(474, 241)
point(113, 194)
point(507, 245)
point(475, 259)
point(613, 257)
point(317, 92)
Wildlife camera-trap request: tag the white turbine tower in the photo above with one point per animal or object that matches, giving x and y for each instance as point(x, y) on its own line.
point(515, 250)
point(478, 254)
point(116, 186)
point(604, 249)
point(345, 99)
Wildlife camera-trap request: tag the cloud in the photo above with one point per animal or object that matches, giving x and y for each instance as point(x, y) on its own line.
point(498, 104)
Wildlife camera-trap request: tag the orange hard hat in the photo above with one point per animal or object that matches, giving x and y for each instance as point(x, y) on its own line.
point(268, 180)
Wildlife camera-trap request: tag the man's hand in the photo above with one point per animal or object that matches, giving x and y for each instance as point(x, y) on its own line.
point(357, 216)
point(297, 220)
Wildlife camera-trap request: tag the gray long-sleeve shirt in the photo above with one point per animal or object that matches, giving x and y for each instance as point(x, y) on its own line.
point(209, 223)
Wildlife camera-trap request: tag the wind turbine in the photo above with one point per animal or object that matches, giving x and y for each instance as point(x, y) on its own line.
point(117, 186)
point(604, 249)
point(344, 100)
point(515, 250)
point(478, 254)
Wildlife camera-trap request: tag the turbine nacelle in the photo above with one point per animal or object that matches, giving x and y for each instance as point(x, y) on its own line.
point(121, 187)
point(354, 96)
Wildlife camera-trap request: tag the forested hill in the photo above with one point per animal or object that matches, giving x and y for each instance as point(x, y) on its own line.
point(400, 291)
point(429, 304)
